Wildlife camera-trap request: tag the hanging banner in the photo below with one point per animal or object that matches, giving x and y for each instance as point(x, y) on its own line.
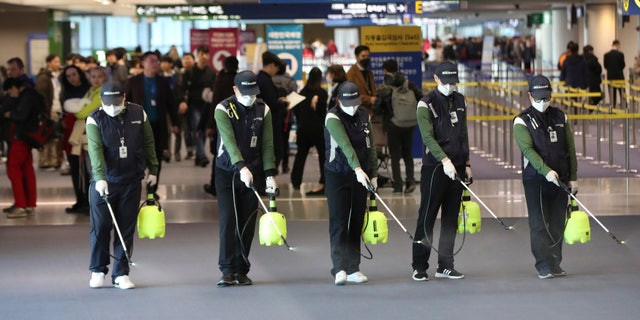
point(223, 42)
point(286, 42)
point(198, 37)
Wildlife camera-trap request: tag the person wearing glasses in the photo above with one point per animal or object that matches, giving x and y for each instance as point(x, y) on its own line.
point(549, 163)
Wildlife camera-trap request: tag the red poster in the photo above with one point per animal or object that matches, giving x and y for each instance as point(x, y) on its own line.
point(199, 37)
point(223, 42)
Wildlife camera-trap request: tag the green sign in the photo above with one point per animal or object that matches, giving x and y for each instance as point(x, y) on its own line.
point(536, 18)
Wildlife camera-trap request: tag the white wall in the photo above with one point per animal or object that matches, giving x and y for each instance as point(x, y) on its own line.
point(14, 30)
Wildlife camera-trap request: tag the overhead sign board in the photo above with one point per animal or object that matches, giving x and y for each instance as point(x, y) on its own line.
point(630, 7)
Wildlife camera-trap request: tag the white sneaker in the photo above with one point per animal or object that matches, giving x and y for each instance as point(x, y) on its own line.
point(97, 280)
point(123, 282)
point(341, 278)
point(357, 277)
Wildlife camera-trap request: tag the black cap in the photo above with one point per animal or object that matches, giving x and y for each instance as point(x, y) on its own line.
point(247, 83)
point(349, 94)
point(447, 72)
point(111, 94)
point(540, 87)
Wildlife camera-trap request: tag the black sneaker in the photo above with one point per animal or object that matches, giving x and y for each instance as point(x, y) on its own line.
point(420, 275)
point(228, 279)
point(243, 280)
point(448, 273)
point(558, 272)
point(410, 188)
point(210, 189)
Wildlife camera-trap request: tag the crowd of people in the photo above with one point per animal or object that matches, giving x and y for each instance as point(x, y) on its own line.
point(117, 122)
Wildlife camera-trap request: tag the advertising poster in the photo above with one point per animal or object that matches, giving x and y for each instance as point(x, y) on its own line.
point(286, 42)
point(198, 37)
point(223, 42)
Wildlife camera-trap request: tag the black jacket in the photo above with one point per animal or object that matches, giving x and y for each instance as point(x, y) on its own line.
point(574, 72)
point(614, 63)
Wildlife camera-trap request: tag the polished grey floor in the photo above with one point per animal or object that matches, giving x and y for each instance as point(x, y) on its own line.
point(185, 201)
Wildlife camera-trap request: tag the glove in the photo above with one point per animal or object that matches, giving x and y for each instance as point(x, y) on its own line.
point(152, 180)
point(552, 177)
point(362, 177)
point(469, 176)
point(449, 169)
point(573, 185)
point(102, 188)
point(374, 183)
point(271, 184)
point(246, 177)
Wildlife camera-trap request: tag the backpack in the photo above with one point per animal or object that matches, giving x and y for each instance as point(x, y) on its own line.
point(43, 134)
point(404, 106)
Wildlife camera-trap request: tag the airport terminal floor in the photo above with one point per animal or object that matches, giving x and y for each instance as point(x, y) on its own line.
point(45, 259)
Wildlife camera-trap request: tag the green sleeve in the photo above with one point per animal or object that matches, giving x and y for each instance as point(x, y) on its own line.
point(571, 149)
point(96, 150)
point(339, 134)
point(525, 143)
point(226, 134)
point(149, 148)
point(94, 104)
point(373, 156)
point(268, 153)
point(426, 131)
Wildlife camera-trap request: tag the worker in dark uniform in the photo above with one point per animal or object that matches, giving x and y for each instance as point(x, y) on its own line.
point(442, 118)
point(350, 162)
point(121, 147)
point(244, 157)
point(544, 136)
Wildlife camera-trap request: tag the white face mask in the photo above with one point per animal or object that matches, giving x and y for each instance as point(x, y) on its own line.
point(446, 89)
point(246, 101)
point(349, 110)
point(541, 106)
point(112, 111)
point(329, 80)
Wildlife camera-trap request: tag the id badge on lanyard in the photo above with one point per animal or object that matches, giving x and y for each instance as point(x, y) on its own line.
point(454, 117)
point(122, 149)
point(553, 135)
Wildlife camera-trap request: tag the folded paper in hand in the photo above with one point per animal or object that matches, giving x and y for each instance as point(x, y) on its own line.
point(294, 99)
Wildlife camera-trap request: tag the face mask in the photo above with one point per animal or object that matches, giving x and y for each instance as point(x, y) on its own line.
point(541, 106)
point(112, 111)
point(246, 100)
point(446, 89)
point(329, 80)
point(365, 63)
point(349, 110)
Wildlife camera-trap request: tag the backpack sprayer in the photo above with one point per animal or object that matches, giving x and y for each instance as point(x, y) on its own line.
point(370, 187)
point(151, 221)
point(115, 224)
point(375, 228)
point(506, 227)
point(577, 228)
point(469, 219)
point(272, 228)
point(568, 190)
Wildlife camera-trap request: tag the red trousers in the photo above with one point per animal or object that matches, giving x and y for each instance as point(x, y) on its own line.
point(21, 174)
